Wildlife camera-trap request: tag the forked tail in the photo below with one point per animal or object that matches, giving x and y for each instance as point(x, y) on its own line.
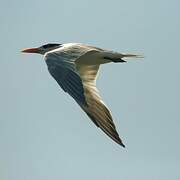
point(118, 57)
point(126, 57)
point(131, 56)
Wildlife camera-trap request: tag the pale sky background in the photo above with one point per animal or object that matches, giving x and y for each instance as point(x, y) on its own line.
point(44, 135)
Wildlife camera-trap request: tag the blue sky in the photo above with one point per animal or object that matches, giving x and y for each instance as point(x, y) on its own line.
point(44, 135)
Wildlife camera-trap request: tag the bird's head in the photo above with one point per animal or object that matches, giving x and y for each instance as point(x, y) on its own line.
point(42, 49)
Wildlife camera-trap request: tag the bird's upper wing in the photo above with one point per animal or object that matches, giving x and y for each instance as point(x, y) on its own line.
point(79, 80)
point(61, 65)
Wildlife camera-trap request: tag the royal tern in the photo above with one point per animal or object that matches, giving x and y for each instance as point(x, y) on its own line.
point(75, 67)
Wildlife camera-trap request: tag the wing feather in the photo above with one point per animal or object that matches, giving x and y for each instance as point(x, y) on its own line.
point(70, 82)
point(96, 109)
point(68, 67)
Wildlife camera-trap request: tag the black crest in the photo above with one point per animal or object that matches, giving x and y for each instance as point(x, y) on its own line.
point(51, 45)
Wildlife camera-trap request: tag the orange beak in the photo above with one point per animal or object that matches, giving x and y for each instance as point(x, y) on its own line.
point(31, 50)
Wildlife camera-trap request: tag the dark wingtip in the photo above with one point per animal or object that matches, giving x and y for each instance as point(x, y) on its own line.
point(122, 145)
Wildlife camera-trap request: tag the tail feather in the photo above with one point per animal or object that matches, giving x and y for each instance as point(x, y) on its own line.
point(119, 57)
point(128, 56)
point(132, 55)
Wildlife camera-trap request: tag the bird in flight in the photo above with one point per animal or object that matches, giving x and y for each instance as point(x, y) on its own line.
point(75, 67)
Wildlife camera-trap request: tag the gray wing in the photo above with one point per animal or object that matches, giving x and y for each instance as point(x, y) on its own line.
point(96, 109)
point(61, 65)
point(69, 81)
point(79, 80)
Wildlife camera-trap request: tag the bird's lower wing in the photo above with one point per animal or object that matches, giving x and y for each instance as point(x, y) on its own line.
point(96, 109)
point(99, 114)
